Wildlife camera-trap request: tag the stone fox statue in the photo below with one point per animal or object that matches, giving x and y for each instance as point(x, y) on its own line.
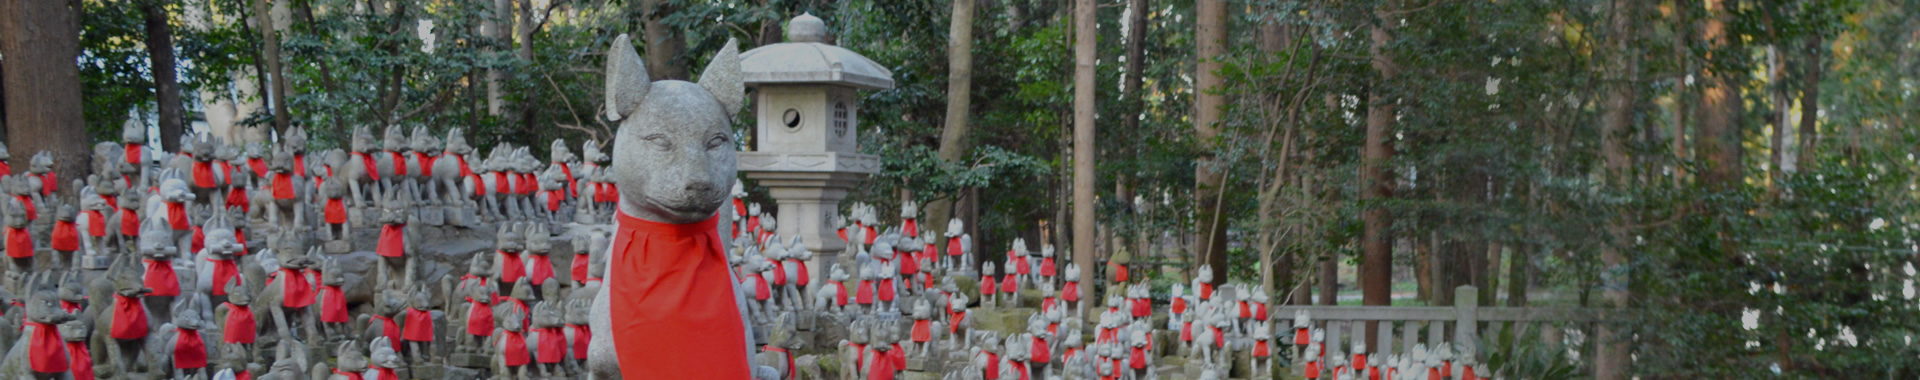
point(667, 276)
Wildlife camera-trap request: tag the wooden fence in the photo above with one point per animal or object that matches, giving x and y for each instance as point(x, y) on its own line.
point(1464, 324)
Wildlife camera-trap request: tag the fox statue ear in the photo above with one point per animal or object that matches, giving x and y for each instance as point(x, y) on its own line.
point(723, 78)
point(627, 81)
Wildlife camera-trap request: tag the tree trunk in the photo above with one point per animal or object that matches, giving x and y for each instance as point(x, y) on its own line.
point(166, 83)
point(664, 44)
point(1084, 41)
point(1329, 281)
point(1519, 266)
point(953, 136)
point(276, 81)
point(1210, 176)
point(1720, 109)
point(40, 40)
point(1615, 128)
point(1376, 260)
point(1810, 100)
point(496, 26)
point(1135, 68)
point(529, 109)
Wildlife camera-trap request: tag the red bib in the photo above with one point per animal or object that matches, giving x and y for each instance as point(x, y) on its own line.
point(27, 203)
point(839, 297)
point(300, 165)
point(367, 160)
point(801, 266)
point(19, 243)
point(335, 211)
point(680, 267)
point(129, 222)
point(177, 216)
point(223, 271)
point(133, 154)
point(296, 292)
point(282, 186)
point(922, 330)
point(1039, 352)
point(203, 175)
point(426, 163)
point(129, 318)
point(479, 318)
point(986, 285)
point(333, 305)
point(541, 270)
point(1139, 358)
point(239, 327)
point(1071, 291)
point(516, 350)
point(96, 223)
point(553, 345)
point(66, 237)
point(511, 268)
point(419, 327)
point(161, 279)
point(554, 197)
point(579, 267)
point(189, 351)
point(258, 165)
point(380, 373)
point(389, 329)
point(393, 240)
point(45, 350)
point(581, 337)
point(82, 360)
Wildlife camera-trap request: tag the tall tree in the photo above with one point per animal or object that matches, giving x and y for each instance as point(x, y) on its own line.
point(40, 40)
point(953, 136)
point(1084, 40)
point(275, 78)
point(1616, 121)
point(166, 83)
point(665, 45)
point(1210, 174)
point(1376, 258)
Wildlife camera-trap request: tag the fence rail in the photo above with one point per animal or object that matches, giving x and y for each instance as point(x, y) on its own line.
point(1464, 324)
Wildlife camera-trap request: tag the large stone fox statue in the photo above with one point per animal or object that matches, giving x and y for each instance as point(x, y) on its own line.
point(679, 313)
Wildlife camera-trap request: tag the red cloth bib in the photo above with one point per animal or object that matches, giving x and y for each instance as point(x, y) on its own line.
point(1071, 291)
point(553, 345)
point(82, 360)
point(1260, 349)
point(658, 266)
point(380, 373)
point(389, 329)
point(1009, 284)
point(992, 371)
point(237, 197)
point(581, 337)
point(240, 325)
point(393, 240)
point(133, 154)
point(161, 279)
point(65, 237)
point(986, 285)
point(333, 305)
point(479, 318)
point(1019, 367)
point(1300, 336)
point(197, 241)
point(177, 216)
point(1040, 354)
point(45, 350)
point(419, 327)
point(203, 175)
point(189, 351)
point(578, 268)
point(300, 165)
point(540, 270)
point(223, 272)
point(760, 289)
point(1046, 266)
point(335, 211)
point(801, 266)
point(295, 292)
point(1139, 358)
point(367, 160)
point(881, 368)
point(426, 163)
point(922, 330)
point(554, 197)
point(282, 186)
point(258, 165)
point(511, 268)
point(840, 296)
point(515, 351)
point(864, 295)
point(27, 203)
point(129, 222)
point(1312, 370)
point(49, 183)
point(1119, 272)
point(96, 223)
point(953, 246)
point(19, 243)
point(129, 318)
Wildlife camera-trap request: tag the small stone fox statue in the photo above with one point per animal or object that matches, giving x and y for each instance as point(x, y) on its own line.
point(181, 343)
point(41, 353)
point(125, 317)
point(779, 353)
point(417, 329)
point(548, 340)
point(239, 324)
point(350, 364)
point(512, 357)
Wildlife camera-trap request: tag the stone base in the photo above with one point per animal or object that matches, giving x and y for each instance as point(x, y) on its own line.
point(457, 374)
point(337, 247)
point(467, 360)
point(423, 371)
point(917, 375)
point(806, 320)
point(94, 262)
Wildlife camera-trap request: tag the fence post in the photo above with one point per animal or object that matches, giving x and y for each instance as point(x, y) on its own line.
point(1466, 306)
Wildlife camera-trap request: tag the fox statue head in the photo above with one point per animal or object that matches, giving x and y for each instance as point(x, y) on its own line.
point(673, 157)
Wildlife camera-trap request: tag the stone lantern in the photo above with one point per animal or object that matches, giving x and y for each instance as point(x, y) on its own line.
point(808, 128)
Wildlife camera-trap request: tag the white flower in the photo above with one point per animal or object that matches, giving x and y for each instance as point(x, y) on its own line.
point(1750, 319)
point(1493, 86)
point(1877, 224)
point(1846, 335)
